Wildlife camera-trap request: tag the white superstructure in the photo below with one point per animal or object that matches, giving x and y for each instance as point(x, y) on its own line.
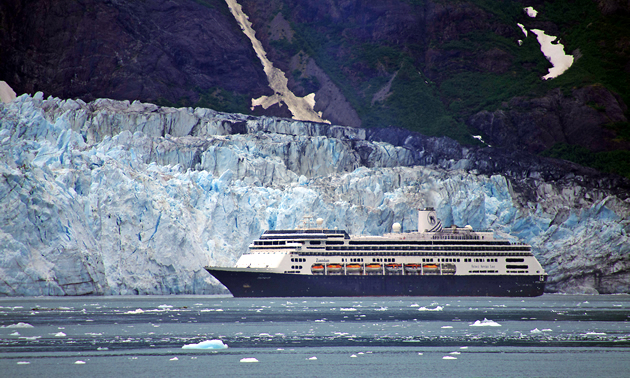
point(433, 250)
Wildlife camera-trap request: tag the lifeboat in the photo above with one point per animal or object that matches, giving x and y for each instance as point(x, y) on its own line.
point(449, 268)
point(430, 269)
point(412, 268)
point(354, 269)
point(317, 269)
point(334, 268)
point(393, 268)
point(373, 268)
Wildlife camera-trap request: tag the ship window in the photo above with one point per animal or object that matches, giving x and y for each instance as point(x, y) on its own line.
point(317, 242)
point(514, 260)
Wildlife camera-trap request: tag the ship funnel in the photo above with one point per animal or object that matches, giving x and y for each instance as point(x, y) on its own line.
point(428, 221)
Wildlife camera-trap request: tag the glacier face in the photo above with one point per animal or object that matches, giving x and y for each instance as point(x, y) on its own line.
point(113, 197)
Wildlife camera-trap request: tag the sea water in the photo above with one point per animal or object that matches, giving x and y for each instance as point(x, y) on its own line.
point(548, 336)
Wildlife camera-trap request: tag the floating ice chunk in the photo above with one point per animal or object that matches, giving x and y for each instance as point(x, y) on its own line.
point(312, 358)
point(23, 362)
point(463, 347)
point(347, 309)
point(165, 306)
point(174, 359)
point(523, 29)
point(60, 334)
point(249, 359)
point(354, 355)
point(30, 338)
point(16, 333)
point(531, 12)
point(208, 344)
point(79, 362)
point(455, 353)
point(449, 358)
point(485, 323)
point(447, 327)
point(535, 330)
point(414, 305)
point(136, 311)
point(18, 325)
point(381, 309)
point(102, 348)
point(595, 334)
point(547, 330)
point(420, 353)
point(437, 308)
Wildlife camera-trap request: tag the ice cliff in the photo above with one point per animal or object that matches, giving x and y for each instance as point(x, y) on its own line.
point(113, 197)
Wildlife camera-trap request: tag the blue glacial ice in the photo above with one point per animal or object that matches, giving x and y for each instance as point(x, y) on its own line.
point(114, 197)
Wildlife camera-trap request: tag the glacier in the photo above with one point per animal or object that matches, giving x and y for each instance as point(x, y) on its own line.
point(121, 198)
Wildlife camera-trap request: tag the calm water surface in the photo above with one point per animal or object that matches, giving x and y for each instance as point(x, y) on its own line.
point(548, 336)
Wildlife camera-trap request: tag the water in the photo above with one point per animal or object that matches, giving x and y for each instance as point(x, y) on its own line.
point(548, 336)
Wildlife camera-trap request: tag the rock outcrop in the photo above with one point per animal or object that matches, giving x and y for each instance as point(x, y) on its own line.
point(538, 124)
point(113, 197)
point(173, 50)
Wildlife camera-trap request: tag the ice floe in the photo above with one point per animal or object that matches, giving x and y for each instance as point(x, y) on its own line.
point(136, 311)
point(485, 323)
point(208, 344)
point(437, 308)
point(18, 325)
point(249, 359)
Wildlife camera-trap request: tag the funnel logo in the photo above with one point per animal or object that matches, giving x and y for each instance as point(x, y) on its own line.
point(432, 220)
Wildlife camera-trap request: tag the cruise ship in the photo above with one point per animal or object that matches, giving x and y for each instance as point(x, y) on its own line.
point(433, 261)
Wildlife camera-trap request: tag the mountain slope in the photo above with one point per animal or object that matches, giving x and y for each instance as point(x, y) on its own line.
point(453, 68)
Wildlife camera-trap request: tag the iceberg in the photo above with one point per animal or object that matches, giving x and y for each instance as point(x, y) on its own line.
point(249, 359)
point(485, 323)
point(119, 198)
point(208, 344)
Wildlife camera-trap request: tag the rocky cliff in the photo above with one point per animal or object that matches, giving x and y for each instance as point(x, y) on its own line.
point(113, 197)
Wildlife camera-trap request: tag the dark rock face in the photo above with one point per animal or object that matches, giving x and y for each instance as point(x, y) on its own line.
point(147, 50)
point(525, 170)
point(537, 124)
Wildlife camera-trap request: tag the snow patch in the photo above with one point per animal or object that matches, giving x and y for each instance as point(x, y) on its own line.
point(300, 107)
point(531, 12)
point(554, 52)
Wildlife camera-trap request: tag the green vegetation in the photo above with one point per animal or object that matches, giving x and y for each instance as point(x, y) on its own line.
point(617, 162)
point(478, 70)
point(224, 101)
point(214, 98)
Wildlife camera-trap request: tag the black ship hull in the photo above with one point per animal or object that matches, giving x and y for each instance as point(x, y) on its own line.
point(252, 283)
